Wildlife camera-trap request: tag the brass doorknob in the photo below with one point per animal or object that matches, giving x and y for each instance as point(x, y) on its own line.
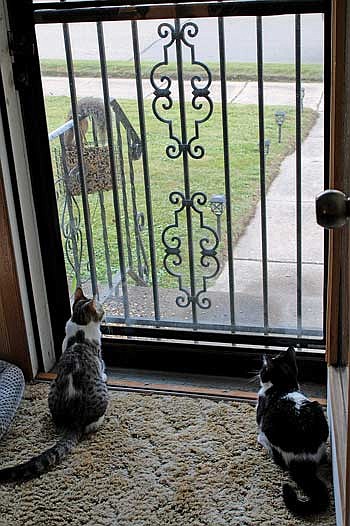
point(332, 209)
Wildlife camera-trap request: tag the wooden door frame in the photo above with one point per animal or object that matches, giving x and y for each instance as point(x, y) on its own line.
point(19, 171)
point(338, 316)
point(338, 309)
point(29, 137)
point(13, 331)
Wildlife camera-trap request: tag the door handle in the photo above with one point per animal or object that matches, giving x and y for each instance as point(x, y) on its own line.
point(332, 209)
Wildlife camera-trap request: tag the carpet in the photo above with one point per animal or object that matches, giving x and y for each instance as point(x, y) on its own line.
point(157, 461)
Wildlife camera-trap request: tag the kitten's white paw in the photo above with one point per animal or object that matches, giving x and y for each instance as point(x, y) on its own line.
point(94, 425)
point(263, 441)
point(104, 377)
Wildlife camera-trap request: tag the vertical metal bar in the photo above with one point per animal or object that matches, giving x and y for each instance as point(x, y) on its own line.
point(133, 203)
point(179, 65)
point(103, 218)
point(298, 168)
point(121, 171)
point(71, 214)
point(262, 169)
point(146, 176)
point(115, 189)
point(105, 239)
point(221, 29)
point(84, 194)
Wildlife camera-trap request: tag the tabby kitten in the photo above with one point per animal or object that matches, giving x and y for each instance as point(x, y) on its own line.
point(78, 397)
point(294, 430)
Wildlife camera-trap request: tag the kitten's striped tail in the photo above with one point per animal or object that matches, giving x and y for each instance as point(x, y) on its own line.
point(305, 475)
point(38, 465)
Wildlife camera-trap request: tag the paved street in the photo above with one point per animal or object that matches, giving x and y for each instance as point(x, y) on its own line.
point(278, 40)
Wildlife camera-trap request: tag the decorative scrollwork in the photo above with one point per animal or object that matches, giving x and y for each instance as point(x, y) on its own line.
point(191, 206)
point(200, 89)
point(163, 92)
point(162, 89)
point(135, 146)
point(144, 267)
point(71, 231)
point(208, 249)
point(70, 219)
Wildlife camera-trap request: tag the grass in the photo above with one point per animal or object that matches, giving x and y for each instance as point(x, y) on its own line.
point(239, 71)
point(206, 174)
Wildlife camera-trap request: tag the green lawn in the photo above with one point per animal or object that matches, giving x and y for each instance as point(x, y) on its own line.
point(206, 174)
point(240, 71)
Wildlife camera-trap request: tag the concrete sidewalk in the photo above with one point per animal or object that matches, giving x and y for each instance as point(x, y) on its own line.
point(282, 247)
point(275, 93)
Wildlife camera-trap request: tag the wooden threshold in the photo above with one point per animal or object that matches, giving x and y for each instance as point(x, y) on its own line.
point(178, 390)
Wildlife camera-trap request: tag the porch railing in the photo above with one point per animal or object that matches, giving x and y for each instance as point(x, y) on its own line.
point(72, 182)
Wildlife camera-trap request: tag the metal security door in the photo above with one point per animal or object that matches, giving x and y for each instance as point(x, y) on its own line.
point(159, 243)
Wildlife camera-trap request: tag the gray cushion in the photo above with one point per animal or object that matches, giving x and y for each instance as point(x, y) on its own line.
point(11, 392)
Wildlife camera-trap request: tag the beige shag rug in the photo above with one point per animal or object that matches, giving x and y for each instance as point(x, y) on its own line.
point(157, 461)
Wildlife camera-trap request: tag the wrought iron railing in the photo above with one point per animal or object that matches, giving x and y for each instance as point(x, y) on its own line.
point(194, 244)
point(71, 183)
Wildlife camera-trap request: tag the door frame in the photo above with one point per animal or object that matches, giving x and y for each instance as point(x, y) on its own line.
point(20, 169)
point(26, 113)
point(338, 318)
point(17, 336)
point(146, 348)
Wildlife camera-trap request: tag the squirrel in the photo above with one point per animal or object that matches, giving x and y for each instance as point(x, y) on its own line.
point(94, 108)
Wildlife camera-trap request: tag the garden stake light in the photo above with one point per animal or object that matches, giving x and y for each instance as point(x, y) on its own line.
point(217, 206)
point(280, 117)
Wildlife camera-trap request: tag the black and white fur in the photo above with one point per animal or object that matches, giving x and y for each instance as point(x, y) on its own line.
point(78, 397)
point(294, 430)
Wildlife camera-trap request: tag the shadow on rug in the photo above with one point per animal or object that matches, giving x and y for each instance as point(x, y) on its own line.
point(157, 461)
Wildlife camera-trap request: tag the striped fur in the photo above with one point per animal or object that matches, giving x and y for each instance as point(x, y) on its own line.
point(36, 466)
point(78, 397)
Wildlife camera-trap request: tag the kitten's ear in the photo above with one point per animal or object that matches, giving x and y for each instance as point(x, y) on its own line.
point(79, 294)
point(92, 305)
point(291, 357)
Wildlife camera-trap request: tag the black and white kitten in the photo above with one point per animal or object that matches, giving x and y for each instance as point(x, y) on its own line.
point(294, 430)
point(78, 397)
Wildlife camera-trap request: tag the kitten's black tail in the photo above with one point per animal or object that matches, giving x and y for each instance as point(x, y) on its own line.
point(305, 475)
point(38, 465)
